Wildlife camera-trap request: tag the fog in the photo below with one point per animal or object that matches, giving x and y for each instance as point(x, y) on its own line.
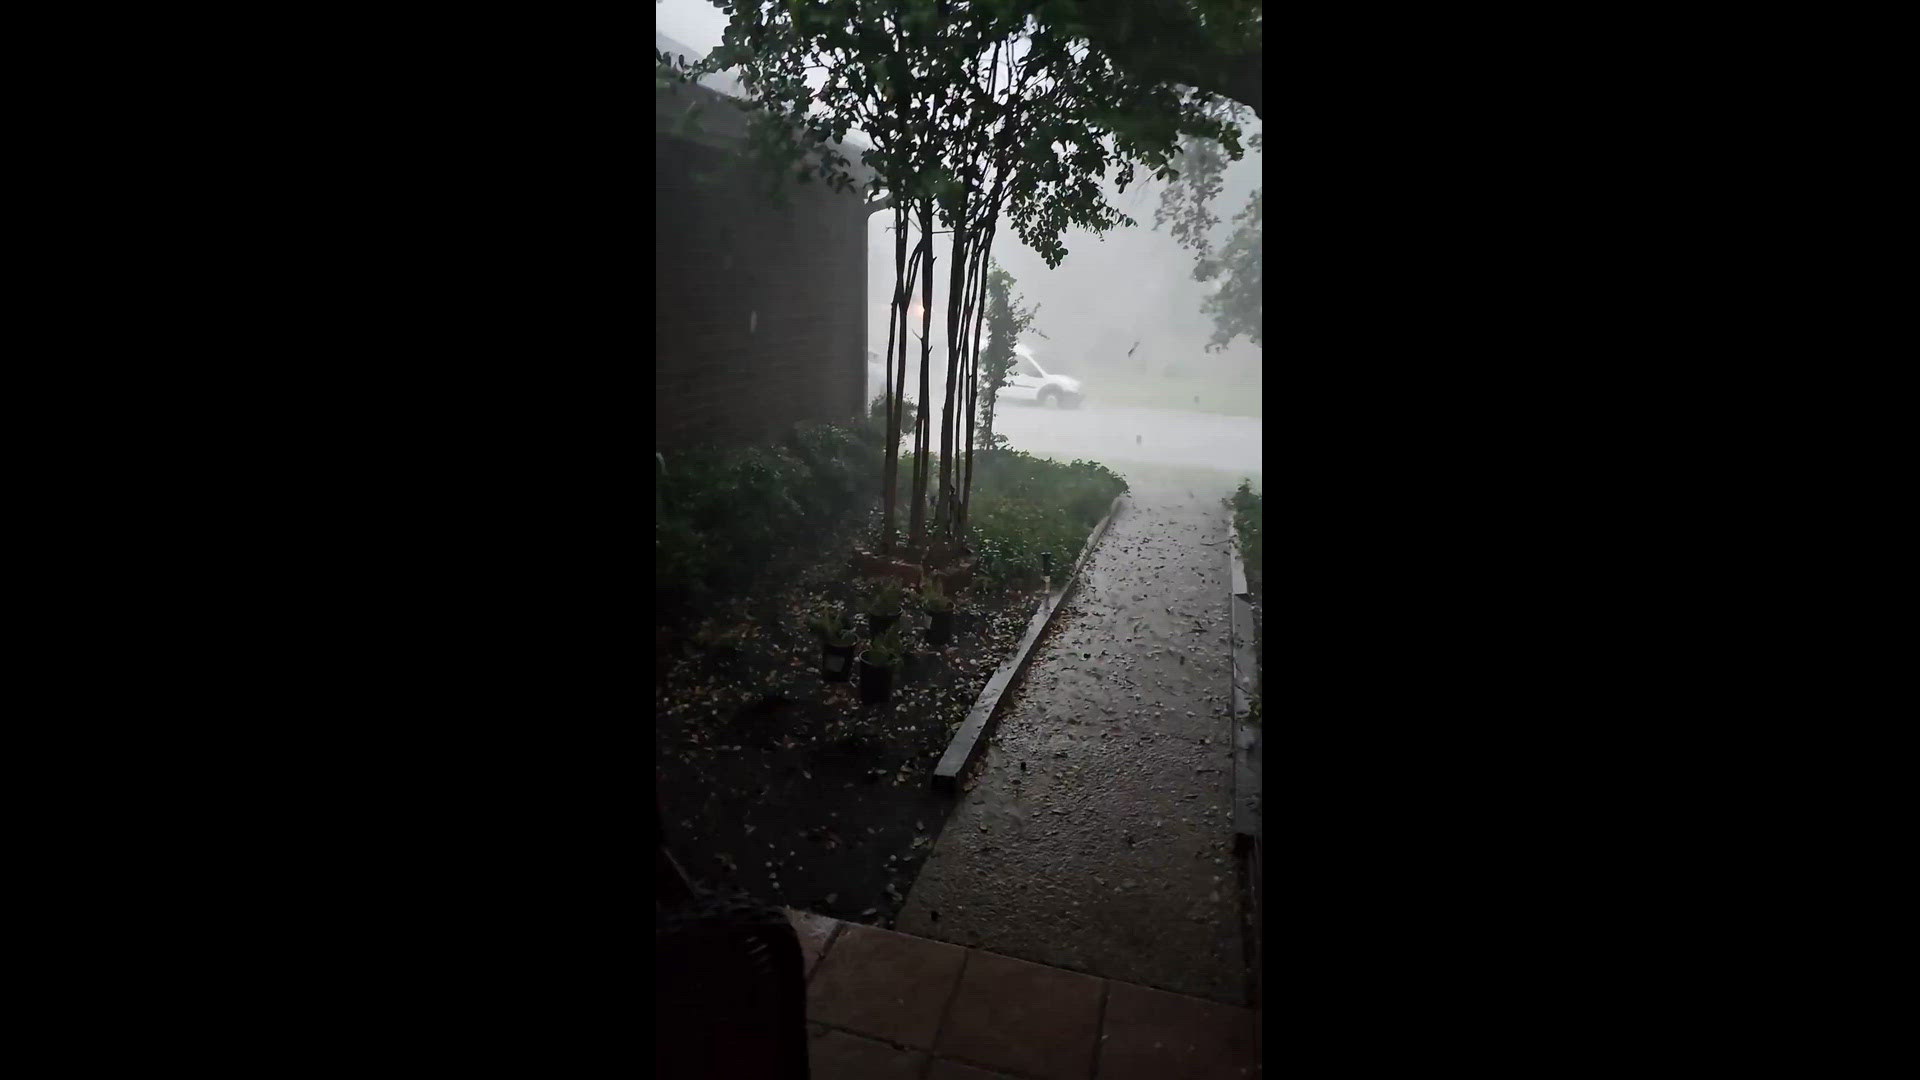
point(1121, 314)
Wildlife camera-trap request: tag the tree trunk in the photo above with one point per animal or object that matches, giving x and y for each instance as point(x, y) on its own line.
point(918, 526)
point(900, 394)
point(978, 317)
point(956, 299)
point(900, 372)
point(890, 472)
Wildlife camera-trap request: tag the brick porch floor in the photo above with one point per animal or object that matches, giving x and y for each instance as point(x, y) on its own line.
point(885, 1005)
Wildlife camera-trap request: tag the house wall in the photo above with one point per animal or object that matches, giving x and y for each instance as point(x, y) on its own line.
point(761, 309)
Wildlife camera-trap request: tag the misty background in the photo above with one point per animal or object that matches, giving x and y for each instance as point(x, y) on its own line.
point(1171, 401)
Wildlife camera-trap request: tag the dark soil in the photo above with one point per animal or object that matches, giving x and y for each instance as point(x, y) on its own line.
point(783, 785)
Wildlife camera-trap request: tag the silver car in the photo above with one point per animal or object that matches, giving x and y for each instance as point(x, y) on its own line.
point(1026, 382)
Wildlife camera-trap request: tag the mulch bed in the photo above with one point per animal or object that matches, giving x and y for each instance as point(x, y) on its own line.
point(786, 787)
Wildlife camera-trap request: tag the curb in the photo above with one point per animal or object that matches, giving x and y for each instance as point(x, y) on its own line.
point(972, 735)
point(1246, 762)
point(1246, 735)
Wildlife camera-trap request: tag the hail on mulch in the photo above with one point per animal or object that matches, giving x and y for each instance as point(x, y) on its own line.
point(785, 786)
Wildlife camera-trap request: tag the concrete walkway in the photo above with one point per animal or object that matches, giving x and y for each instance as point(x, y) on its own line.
point(1099, 837)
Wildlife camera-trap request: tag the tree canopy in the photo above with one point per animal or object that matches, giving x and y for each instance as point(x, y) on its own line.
point(1187, 209)
point(1208, 45)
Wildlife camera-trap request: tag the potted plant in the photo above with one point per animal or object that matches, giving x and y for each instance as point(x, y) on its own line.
point(939, 608)
point(877, 667)
point(883, 607)
point(837, 643)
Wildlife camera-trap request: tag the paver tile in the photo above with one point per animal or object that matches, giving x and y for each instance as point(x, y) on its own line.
point(836, 1055)
point(1153, 1035)
point(1024, 1018)
point(814, 931)
point(954, 1070)
point(886, 985)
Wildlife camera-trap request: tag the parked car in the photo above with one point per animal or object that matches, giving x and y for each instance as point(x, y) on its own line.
point(1028, 381)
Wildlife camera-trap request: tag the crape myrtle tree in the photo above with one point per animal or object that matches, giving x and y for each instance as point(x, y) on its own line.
point(1051, 116)
point(1210, 45)
point(979, 113)
point(875, 60)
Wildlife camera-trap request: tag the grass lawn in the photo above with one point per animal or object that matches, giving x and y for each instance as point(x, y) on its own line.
point(1176, 394)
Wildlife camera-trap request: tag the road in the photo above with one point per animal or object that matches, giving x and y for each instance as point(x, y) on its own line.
point(1129, 434)
point(1118, 435)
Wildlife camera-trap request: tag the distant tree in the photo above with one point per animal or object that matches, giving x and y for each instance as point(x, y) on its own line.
point(1006, 321)
point(1235, 305)
point(1186, 208)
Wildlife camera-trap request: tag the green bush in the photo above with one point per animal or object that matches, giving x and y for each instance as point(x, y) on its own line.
point(1021, 506)
point(1085, 489)
point(843, 468)
point(873, 428)
point(1010, 534)
point(882, 597)
point(682, 561)
point(722, 513)
point(1024, 505)
point(1246, 518)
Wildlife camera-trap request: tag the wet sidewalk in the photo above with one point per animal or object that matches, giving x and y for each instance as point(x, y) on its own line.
point(883, 1005)
point(1099, 836)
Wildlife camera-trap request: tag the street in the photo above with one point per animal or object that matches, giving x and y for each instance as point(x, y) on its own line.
point(1118, 435)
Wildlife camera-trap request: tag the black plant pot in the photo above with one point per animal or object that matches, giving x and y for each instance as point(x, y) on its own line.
point(876, 682)
point(836, 662)
point(880, 624)
point(940, 627)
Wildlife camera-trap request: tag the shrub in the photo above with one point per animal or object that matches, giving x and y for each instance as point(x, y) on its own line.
point(1246, 518)
point(873, 428)
point(883, 597)
point(832, 627)
point(934, 597)
point(722, 512)
point(1024, 505)
point(843, 468)
point(886, 650)
point(681, 561)
point(1010, 534)
point(1085, 489)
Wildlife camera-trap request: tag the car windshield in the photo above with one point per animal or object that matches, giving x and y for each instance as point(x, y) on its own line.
point(1028, 367)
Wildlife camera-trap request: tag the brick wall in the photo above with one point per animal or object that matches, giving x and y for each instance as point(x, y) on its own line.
point(761, 310)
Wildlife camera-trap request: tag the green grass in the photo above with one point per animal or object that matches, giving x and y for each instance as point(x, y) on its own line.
point(1024, 505)
point(1247, 511)
point(1156, 478)
point(1175, 394)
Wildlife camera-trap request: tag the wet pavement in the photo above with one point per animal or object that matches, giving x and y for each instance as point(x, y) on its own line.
point(1098, 837)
